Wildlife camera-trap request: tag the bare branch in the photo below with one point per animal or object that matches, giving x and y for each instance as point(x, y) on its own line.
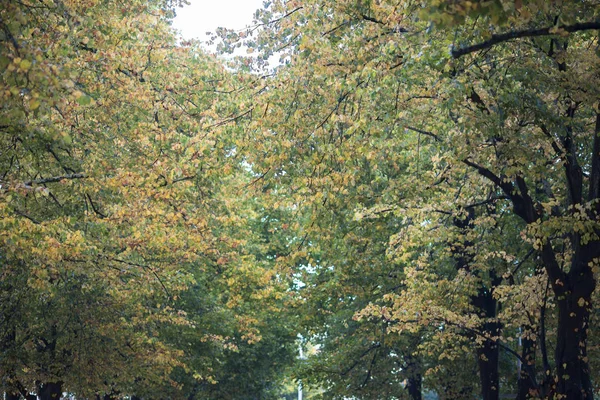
point(274, 21)
point(261, 176)
point(374, 346)
point(231, 119)
point(185, 178)
point(490, 175)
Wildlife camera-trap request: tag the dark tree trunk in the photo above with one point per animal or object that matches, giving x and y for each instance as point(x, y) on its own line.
point(574, 289)
point(572, 368)
point(414, 387)
point(12, 396)
point(488, 370)
point(525, 384)
point(573, 292)
point(50, 391)
point(414, 384)
point(485, 304)
point(488, 351)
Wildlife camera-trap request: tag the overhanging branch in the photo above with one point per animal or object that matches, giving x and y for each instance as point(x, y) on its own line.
point(504, 37)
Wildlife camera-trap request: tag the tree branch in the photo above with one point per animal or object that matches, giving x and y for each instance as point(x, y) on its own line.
point(553, 269)
point(274, 21)
point(356, 362)
point(261, 176)
point(185, 178)
point(147, 267)
point(100, 214)
point(55, 179)
point(231, 119)
point(522, 204)
point(504, 37)
point(377, 21)
point(10, 36)
point(506, 187)
point(555, 145)
point(427, 133)
point(488, 201)
point(22, 214)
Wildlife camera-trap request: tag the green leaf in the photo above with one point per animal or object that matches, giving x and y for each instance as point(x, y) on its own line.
point(84, 100)
point(34, 104)
point(25, 65)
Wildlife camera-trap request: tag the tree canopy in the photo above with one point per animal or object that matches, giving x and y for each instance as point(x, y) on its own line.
point(412, 193)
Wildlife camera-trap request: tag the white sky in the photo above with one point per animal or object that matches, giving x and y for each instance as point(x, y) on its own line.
point(203, 16)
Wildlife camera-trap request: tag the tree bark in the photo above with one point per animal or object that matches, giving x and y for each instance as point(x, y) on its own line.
point(525, 385)
point(574, 306)
point(414, 382)
point(414, 387)
point(488, 351)
point(485, 304)
point(50, 391)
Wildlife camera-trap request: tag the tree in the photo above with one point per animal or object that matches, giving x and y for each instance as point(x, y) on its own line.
point(115, 207)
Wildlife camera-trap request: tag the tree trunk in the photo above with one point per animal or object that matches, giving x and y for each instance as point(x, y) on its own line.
point(414, 387)
point(50, 391)
point(525, 384)
point(573, 292)
point(488, 351)
point(485, 304)
point(414, 384)
point(487, 359)
point(572, 366)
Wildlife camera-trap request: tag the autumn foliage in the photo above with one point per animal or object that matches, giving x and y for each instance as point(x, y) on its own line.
point(408, 190)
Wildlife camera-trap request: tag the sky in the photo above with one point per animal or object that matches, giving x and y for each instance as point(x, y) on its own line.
point(201, 16)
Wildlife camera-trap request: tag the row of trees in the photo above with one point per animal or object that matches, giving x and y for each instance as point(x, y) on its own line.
point(414, 190)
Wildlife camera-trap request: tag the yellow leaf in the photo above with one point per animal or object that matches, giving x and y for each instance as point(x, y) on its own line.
point(33, 104)
point(25, 65)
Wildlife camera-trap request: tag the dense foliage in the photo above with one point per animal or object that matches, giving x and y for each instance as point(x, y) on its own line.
point(411, 194)
point(129, 267)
